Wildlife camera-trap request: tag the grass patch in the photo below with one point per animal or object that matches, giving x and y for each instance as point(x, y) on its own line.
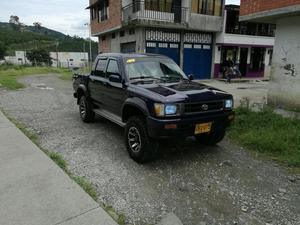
point(119, 218)
point(268, 133)
point(87, 186)
point(10, 74)
point(59, 160)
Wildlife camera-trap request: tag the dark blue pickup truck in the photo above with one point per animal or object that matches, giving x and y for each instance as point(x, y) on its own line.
point(152, 99)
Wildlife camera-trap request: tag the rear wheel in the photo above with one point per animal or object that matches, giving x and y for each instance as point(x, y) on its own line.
point(140, 146)
point(212, 138)
point(86, 110)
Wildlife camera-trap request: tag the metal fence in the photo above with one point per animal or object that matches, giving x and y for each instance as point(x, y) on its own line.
point(141, 10)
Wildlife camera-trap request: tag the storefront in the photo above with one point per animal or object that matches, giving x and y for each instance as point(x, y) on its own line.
point(252, 61)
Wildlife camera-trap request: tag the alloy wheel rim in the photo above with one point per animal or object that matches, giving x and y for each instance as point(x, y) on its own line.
point(82, 109)
point(134, 139)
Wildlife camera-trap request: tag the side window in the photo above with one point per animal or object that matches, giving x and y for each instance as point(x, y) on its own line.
point(100, 68)
point(112, 68)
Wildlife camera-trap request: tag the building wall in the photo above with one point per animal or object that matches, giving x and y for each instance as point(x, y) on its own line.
point(104, 44)
point(114, 18)
point(69, 59)
point(285, 81)
point(254, 6)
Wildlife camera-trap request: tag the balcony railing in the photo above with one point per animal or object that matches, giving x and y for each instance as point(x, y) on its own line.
point(142, 11)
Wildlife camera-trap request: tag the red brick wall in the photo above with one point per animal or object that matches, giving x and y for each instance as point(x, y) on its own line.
point(114, 17)
point(104, 45)
point(254, 6)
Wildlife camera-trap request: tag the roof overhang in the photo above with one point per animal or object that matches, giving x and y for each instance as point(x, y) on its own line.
point(271, 16)
point(93, 5)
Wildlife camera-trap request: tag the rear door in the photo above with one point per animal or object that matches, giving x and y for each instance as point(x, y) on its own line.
point(98, 81)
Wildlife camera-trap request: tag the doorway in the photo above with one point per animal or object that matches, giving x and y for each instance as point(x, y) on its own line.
point(243, 61)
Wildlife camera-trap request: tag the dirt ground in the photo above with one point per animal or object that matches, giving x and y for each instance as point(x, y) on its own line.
point(201, 185)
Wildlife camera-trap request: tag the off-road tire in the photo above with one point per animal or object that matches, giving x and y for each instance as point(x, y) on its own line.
point(86, 110)
point(147, 150)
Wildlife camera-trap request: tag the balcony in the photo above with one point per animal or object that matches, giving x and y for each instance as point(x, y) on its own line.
point(140, 13)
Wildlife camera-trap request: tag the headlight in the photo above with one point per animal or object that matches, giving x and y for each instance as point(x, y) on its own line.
point(165, 109)
point(228, 104)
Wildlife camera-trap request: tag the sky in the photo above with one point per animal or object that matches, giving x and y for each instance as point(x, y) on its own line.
point(66, 16)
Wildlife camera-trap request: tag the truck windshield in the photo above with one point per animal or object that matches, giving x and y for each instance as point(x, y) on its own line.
point(153, 68)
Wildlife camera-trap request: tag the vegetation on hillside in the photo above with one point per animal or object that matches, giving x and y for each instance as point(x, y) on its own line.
point(19, 37)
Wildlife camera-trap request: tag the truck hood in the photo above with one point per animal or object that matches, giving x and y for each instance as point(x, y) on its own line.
point(185, 91)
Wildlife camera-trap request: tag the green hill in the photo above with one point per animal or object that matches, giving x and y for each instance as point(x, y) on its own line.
point(26, 38)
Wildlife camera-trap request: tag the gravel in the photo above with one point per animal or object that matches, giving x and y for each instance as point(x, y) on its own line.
point(201, 185)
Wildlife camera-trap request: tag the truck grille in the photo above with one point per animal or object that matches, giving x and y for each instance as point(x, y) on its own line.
point(203, 107)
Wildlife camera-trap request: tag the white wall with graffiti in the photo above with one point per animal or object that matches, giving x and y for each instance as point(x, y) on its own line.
point(285, 81)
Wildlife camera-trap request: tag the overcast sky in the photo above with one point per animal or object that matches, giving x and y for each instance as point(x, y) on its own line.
point(67, 16)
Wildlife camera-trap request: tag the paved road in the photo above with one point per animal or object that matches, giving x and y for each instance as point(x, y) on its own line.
point(201, 185)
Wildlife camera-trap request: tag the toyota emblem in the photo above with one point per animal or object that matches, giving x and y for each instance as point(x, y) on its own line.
point(204, 107)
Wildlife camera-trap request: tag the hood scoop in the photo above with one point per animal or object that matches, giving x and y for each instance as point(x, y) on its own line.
point(162, 91)
point(187, 86)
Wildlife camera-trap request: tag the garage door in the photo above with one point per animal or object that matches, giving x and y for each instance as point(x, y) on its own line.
point(198, 55)
point(128, 47)
point(170, 50)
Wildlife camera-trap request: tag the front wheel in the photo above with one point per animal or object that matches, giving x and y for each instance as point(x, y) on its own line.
point(140, 146)
point(212, 138)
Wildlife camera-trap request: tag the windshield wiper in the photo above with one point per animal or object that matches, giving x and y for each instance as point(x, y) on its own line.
point(144, 77)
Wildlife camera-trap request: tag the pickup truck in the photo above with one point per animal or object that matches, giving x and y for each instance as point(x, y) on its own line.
point(152, 98)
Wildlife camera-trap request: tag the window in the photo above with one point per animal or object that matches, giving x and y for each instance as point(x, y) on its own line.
point(103, 10)
point(113, 36)
point(131, 31)
point(103, 38)
point(93, 13)
point(207, 7)
point(159, 5)
point(100, 68)
point(218, 8)
point(122, 33)
point(112, 68)
point(71, 60)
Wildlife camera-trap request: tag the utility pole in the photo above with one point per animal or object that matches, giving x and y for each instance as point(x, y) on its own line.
point(57, 43)
point(90, 42)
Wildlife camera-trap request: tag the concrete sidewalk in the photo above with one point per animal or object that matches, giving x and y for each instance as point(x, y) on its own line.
point(35, 191)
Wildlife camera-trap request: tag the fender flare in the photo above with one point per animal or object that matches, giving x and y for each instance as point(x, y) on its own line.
point(137, 103)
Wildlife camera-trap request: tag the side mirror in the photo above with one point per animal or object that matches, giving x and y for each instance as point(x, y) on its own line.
point(191, 77)
point(116, 78)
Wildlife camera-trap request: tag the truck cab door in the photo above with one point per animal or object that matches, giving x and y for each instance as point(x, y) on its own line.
point(115, 89)
point(97, 82)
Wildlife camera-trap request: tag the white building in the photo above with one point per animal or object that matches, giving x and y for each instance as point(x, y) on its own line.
point(18, 59)
point(69, 59)
point(248, 45)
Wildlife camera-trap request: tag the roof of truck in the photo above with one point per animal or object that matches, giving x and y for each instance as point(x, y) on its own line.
point(130, 55)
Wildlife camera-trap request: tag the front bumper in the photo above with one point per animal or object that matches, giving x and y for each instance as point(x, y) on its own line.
point(185, 127)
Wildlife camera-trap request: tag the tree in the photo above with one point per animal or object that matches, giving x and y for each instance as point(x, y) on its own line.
point(39, 57)
point(38, 25)
point(2, 50)
point(14, 20)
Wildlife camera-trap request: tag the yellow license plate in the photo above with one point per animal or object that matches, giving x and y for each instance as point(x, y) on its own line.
point(203, 128)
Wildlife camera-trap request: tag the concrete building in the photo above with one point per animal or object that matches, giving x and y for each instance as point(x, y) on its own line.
point(69, 59)
point(18, 59)
point(183, 30)
point(285, 79)
point(246, 44)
